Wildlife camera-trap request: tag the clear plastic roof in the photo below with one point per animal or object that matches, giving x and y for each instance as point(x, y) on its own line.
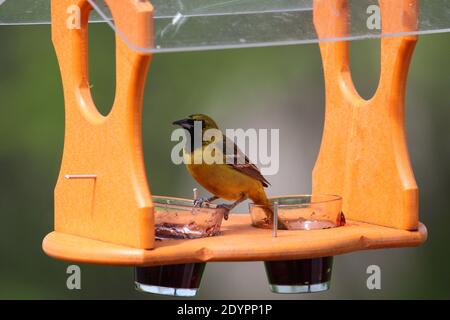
point(184, 25)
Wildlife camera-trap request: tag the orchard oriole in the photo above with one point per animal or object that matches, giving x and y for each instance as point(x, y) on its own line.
point(233, 178)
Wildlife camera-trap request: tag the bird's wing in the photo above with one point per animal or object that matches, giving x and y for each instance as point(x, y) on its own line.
point(236, 159)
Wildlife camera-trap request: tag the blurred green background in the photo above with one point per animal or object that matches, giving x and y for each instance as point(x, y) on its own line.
point(276, 87)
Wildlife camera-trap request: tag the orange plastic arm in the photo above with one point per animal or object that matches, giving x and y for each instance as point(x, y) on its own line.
point(364, 155)
point(102, 191)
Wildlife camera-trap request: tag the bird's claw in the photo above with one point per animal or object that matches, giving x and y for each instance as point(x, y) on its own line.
point(199, 202)
point(227, 208)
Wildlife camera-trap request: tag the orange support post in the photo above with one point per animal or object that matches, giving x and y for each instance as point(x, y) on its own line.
point(364, 155)
point(102, 192)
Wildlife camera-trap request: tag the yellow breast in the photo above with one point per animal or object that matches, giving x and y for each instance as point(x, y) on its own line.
point(222, 180)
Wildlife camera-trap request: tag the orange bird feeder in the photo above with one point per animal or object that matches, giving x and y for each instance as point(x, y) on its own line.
point(103, 205)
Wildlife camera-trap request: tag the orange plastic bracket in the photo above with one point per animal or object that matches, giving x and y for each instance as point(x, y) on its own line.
point(102, 191)
point(364, 155)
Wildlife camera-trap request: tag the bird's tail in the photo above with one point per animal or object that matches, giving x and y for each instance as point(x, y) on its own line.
point(262, 200)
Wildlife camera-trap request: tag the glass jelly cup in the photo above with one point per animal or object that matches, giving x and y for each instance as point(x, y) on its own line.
point(178, 219)
point(302, 212)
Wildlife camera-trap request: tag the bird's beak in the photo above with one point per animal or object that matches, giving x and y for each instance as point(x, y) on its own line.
point(185, 123)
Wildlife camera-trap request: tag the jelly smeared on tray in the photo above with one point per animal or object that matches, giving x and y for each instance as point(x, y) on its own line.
point(186, 231)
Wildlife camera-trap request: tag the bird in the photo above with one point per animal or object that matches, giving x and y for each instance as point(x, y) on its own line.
point(236, 180)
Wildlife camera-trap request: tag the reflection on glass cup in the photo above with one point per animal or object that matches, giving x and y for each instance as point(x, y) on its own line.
point(178, 219)
point(304, 212)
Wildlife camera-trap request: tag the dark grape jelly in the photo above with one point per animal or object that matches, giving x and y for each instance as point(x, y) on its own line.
point(181, 280)
point(299, 276)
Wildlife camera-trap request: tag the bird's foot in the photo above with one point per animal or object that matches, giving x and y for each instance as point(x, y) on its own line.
point(227, 208)
point(200, 202)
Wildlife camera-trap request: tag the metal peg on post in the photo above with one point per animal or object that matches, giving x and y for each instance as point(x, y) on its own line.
point(275, 219)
